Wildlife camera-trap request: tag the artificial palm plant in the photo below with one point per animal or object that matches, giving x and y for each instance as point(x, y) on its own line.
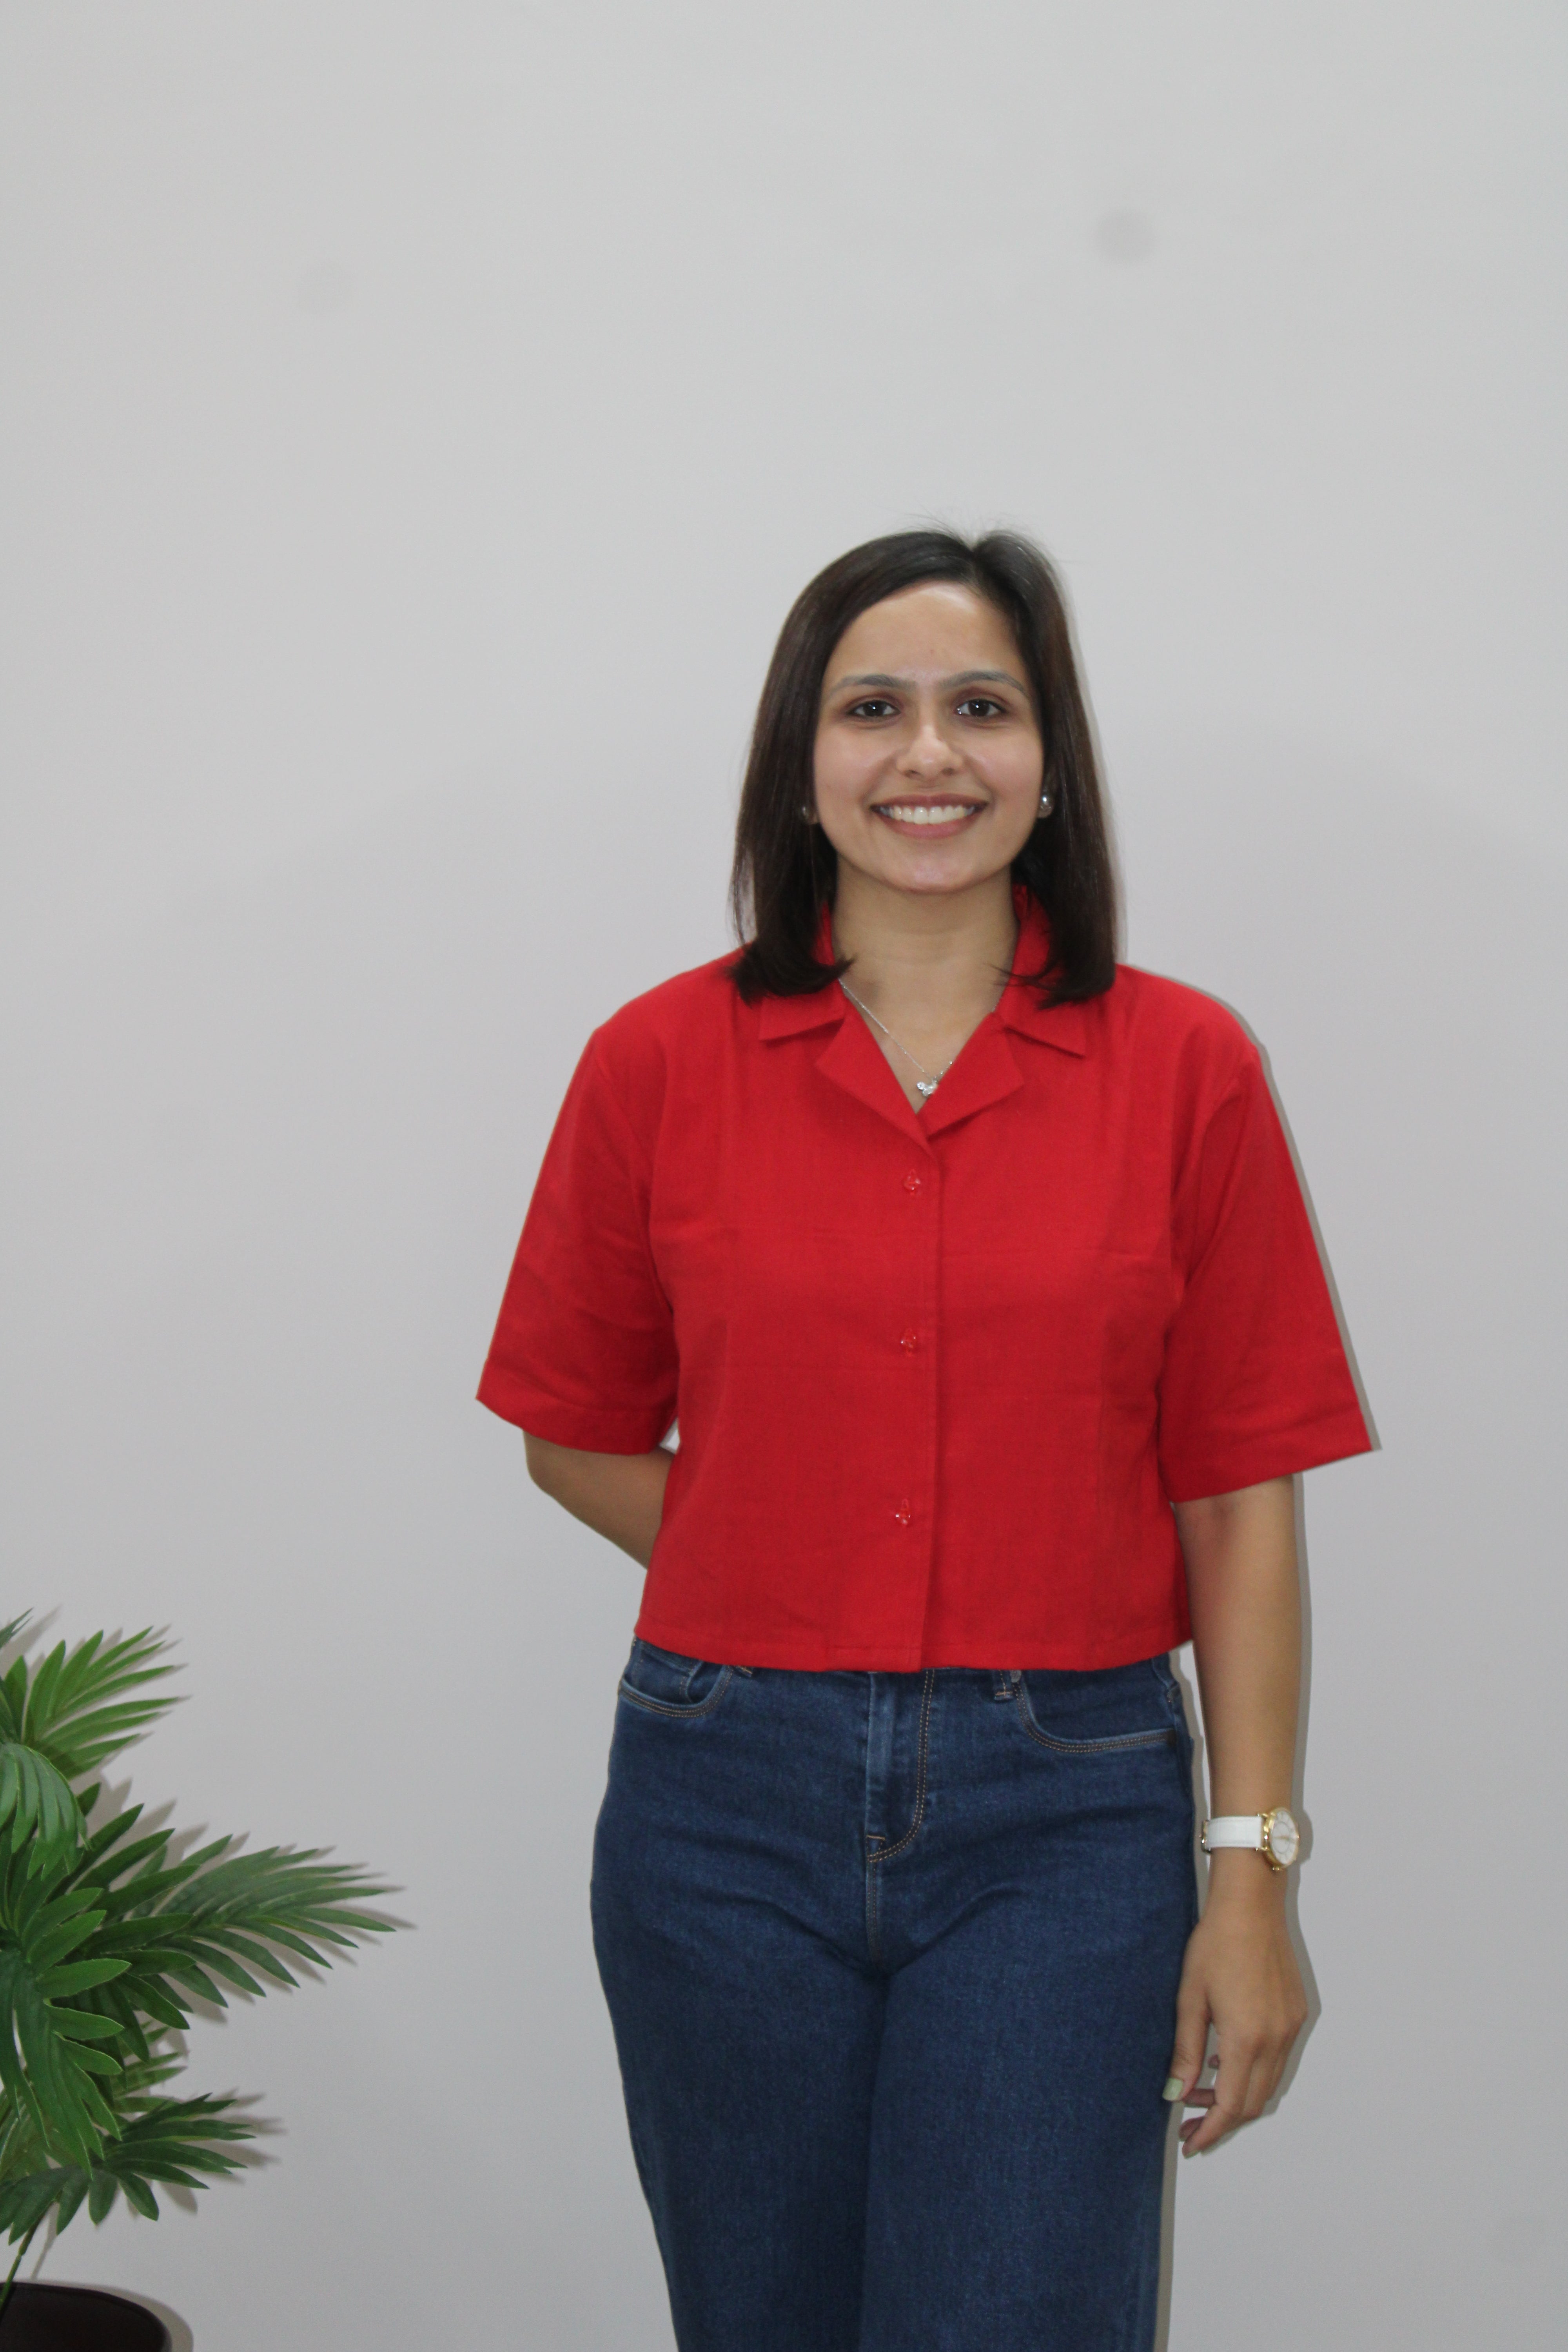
point(105, 1941)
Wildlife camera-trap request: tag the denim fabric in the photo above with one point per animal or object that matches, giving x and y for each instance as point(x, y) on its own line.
point(891, 1961)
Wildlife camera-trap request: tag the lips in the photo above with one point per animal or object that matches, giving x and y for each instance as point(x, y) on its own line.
point(941, 815)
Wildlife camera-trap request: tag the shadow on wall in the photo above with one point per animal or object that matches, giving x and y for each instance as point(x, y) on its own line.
point(180, 2337)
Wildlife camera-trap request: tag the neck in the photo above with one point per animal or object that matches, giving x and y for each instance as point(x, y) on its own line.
point(938, 956)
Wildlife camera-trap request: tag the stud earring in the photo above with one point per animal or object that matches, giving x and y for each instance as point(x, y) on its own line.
point(806, 812)
point(1045, 804)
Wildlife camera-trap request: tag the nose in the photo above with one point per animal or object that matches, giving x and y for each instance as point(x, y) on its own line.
point(929, 753)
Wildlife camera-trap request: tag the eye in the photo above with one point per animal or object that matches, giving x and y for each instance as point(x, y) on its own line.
point(875, 706)
point(983, 705)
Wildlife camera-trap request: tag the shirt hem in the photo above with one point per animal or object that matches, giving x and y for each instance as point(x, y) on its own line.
point(815, 1656)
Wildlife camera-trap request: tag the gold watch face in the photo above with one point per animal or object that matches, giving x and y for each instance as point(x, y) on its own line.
point(1282, 1837)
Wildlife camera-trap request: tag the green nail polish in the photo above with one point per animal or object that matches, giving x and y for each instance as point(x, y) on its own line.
point(1174, 2087)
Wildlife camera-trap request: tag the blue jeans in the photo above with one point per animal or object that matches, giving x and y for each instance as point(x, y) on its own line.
point(891, 1961)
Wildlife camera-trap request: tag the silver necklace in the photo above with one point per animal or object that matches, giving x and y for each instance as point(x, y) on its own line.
point(925, 1084)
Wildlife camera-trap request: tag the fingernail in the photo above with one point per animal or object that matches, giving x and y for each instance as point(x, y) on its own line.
point(1173, 2088)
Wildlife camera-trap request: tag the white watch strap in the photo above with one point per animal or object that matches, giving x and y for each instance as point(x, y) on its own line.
point(1234, 1829)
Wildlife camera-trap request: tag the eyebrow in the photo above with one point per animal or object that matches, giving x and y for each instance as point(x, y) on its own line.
point(964, 677)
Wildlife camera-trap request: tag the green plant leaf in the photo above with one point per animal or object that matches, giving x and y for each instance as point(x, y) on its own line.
point(53, 2069)
point(81, 1976)
point(180, 2141)
point(35, 1795)
point(68, 2203)
point(51, 2049)
point(83, 2024)
point(185, 1930)
point(107, 1944)
point(12, 1682)
point(24, 2203)
point(77, 1709)
point(14, 1696)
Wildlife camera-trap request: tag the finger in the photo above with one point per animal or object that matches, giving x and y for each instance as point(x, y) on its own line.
point(1229, 2107)
point(1204, 2132)
point(1243, 2104)
point(1192, 2039)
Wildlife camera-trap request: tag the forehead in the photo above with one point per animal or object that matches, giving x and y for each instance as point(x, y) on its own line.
point(938, 628)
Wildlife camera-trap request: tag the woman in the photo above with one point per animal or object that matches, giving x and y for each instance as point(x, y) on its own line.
point(977, 1272)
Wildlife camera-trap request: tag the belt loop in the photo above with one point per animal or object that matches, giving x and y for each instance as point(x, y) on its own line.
point(1006, 1682)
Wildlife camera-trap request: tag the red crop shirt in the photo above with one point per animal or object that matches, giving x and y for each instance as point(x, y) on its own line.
point(939, 1377)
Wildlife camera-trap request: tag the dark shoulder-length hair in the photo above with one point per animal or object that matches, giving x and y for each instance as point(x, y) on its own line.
point(785, 869)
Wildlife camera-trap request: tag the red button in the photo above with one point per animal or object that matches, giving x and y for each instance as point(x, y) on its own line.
point(904, 1513)
point(909, 1341)
point(912, 1182)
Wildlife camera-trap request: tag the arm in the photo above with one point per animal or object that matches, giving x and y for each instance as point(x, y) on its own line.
point(1240, 1973)
point(619, 1495)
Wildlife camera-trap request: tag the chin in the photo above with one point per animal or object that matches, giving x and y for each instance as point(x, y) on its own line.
point(932, 879)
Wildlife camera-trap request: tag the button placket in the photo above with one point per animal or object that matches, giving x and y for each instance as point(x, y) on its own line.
point(916, 1343)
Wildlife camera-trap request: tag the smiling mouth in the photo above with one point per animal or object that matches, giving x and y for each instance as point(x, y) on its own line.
point(927, 817)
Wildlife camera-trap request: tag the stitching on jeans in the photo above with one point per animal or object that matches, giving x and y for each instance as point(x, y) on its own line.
point(920, 1772)
point(873, 1949)
point(873, 1946)
point(673, 1658)
point(1165, 1739)
point(663, 1706)
point(678, 1657)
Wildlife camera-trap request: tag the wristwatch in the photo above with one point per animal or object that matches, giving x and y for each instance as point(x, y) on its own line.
point(1275, 1834)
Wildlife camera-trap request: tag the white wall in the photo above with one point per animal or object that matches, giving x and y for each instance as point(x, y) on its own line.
point(415, 422)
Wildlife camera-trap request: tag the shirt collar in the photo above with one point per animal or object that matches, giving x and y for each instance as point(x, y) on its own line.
point(1062, 1026)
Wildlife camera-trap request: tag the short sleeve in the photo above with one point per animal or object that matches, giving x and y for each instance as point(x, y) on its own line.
point(583, 1352)
point(1256, 1383)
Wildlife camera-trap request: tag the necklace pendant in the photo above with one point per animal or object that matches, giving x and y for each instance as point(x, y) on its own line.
point(927, 1086)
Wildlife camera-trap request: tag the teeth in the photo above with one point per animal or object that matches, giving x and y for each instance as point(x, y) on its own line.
point(945, 815)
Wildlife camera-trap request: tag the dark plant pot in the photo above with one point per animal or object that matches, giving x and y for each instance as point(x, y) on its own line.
point(44, 2318)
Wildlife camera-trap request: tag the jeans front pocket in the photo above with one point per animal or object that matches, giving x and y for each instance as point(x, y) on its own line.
point(1100, 1710)
point(666, 1683)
